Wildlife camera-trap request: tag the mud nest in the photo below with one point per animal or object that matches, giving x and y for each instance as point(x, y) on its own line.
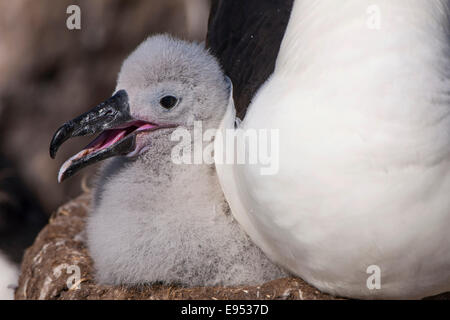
point(59, 252)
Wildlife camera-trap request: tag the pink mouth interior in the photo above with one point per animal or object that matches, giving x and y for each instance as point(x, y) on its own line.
point(107, 139)
point(112, 136)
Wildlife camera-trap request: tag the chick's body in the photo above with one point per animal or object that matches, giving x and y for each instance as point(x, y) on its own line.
point(154, 220)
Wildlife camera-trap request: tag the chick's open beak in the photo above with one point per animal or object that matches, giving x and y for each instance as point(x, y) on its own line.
point(117, 128)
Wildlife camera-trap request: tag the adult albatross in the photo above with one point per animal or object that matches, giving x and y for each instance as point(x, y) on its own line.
point(360, 96)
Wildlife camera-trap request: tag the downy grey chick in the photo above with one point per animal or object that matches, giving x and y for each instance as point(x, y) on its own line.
point(153, 220)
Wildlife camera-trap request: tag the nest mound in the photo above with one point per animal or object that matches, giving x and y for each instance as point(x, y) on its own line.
point(59, 252)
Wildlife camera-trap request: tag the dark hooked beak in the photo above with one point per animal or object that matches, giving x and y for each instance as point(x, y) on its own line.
point(118, 130)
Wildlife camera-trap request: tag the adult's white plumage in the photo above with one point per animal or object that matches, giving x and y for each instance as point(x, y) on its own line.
point(364, 122)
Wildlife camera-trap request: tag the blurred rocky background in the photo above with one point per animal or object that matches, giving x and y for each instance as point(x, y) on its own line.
point(49, 74)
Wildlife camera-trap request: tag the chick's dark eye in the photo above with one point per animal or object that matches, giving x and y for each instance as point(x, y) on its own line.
point(168, 102)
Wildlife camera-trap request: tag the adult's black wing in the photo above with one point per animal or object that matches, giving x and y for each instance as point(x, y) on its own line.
point(245, 35)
